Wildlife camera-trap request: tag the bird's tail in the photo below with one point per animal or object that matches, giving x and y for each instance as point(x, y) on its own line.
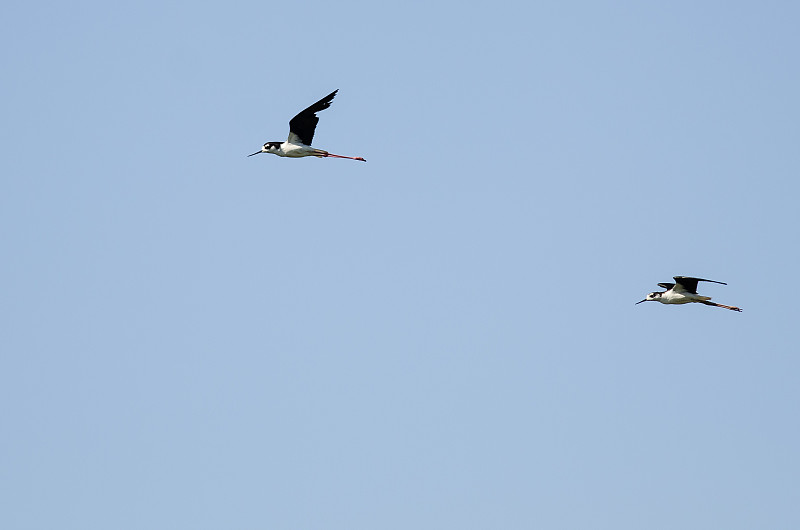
point(732, 308)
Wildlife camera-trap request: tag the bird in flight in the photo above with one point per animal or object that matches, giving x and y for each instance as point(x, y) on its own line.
point(683, 291)
point(301, 133)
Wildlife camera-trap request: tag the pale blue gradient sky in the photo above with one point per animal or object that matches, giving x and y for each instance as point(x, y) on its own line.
point(443, 337)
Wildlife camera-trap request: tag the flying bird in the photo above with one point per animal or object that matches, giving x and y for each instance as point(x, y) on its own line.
point(301, 133)
point(684, 291)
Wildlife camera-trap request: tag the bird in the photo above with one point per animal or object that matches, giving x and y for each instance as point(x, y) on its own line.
point(684, 291)
point(301, 133)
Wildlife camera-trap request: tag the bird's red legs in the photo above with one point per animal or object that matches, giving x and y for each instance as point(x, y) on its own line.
point(721, 305)
point(340, 156)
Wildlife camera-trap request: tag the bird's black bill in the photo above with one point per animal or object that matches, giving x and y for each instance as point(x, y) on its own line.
point(639, 302)
point(256, 153)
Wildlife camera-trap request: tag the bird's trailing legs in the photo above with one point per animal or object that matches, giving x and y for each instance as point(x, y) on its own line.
point(325, 153)
point(721, 305)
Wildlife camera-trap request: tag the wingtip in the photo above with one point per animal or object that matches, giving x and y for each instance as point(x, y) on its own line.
point(677, 278)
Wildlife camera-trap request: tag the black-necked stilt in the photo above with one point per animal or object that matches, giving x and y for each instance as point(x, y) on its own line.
point(684, 291)
point(301, 132)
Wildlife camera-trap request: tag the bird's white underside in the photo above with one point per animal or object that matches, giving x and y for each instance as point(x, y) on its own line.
point(672, 297)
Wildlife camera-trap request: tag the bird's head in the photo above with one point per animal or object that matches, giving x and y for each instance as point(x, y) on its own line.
point(652, 297)
point(269, 147)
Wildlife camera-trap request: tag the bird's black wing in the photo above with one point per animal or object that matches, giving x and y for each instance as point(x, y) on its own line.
point(666, 286)
point(690, 284)
point(304, 124)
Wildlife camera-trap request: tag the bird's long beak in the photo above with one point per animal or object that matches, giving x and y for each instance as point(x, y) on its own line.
point(256, 153)
point(637, 303)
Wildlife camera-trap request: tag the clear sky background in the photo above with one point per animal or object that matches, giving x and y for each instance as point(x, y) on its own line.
point(443, 337)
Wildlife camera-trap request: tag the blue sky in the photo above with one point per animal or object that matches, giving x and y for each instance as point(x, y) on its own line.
point(443, 337)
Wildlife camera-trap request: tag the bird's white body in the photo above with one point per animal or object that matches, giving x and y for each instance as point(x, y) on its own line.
point(294, 150)
point(293, 147)
point(671, 297)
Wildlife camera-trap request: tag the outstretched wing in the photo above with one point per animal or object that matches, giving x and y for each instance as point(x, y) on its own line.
point(666, 286)
point(303, 125)
point(689, 284)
